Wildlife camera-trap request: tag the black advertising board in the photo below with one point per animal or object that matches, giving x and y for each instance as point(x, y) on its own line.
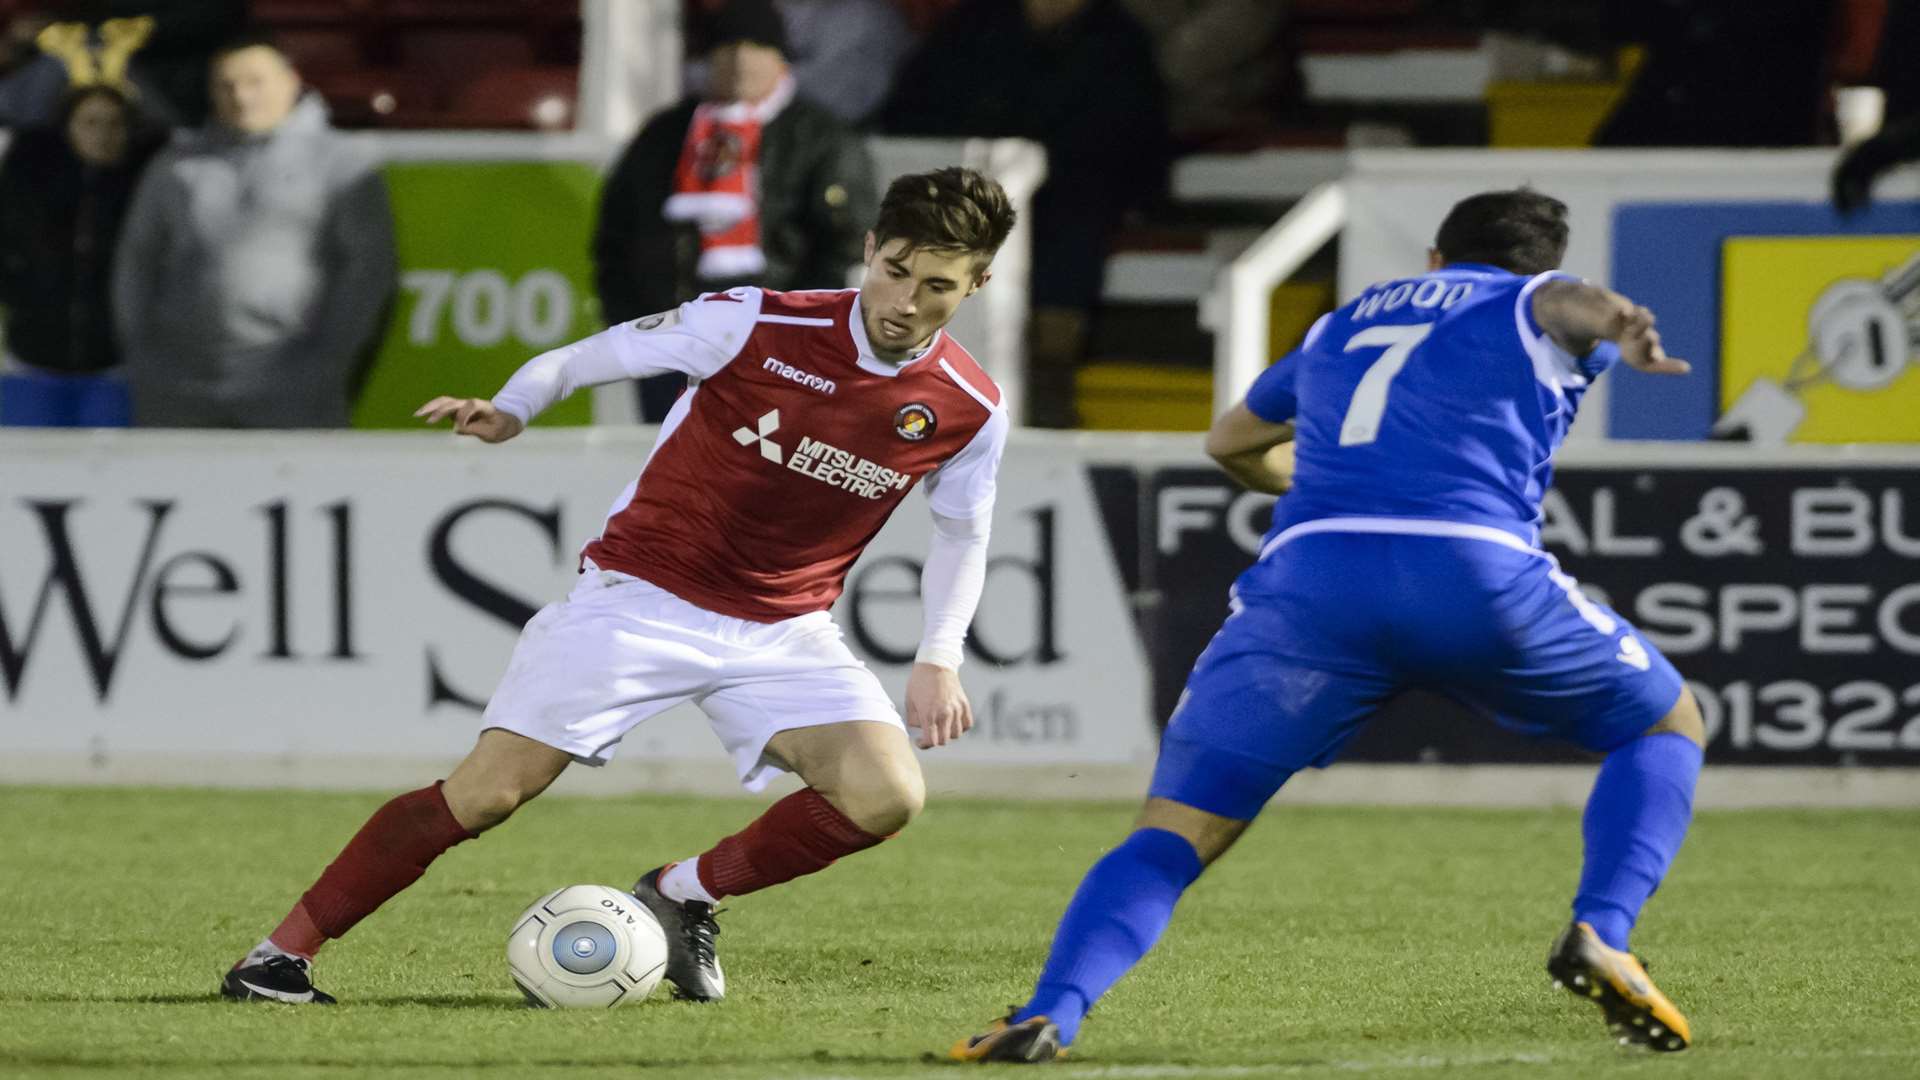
point(1788, 596)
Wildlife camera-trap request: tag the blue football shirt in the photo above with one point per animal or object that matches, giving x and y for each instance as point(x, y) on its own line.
point(1435, 397)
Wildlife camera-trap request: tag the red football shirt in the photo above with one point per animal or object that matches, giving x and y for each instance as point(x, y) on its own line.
point(790, 449)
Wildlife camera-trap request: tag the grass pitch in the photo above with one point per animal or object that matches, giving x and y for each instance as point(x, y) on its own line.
point(1333, 942)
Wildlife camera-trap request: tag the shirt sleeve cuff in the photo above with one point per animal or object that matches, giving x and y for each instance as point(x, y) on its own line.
point(939, 655)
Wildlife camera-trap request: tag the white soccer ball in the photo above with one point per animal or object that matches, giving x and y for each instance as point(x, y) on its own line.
point(586, 947)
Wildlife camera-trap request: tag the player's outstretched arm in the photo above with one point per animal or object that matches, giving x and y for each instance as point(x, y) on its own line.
point(1578, 316)
point(1257, 453)
point(472, 416)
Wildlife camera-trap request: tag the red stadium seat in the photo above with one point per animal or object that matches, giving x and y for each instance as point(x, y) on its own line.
point(459, 11)
point(530, 97)
point(377, 97)
point(314, 49)
point(452, 53)
point(276, 13)
point(922, 14)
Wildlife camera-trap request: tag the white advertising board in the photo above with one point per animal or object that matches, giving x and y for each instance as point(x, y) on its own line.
point(300, 605)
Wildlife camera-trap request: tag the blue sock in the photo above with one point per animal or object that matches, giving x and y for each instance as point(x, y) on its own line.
point(1123, 904)
point(1636, 818)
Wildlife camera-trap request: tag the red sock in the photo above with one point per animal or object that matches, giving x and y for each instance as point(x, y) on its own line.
point(798, 835)
point(389, 853)
point(297, 934)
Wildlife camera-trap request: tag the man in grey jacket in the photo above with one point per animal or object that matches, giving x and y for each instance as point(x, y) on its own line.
point(256, 262)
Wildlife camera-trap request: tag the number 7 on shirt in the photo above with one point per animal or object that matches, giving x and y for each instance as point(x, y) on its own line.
point(1369, 404)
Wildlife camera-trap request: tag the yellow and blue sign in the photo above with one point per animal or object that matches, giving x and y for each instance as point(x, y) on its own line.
point(1784, 310)
point(1816, 337)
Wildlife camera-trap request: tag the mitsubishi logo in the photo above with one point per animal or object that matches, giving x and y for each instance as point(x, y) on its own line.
point(768, 425)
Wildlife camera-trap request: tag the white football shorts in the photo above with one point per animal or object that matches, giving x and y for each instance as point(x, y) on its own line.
point(619, 651)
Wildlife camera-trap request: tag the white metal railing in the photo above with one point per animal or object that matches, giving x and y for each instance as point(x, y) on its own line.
point(630, 65)
point(1239, 308)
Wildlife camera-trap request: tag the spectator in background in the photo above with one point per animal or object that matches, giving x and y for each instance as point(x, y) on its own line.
point(746, 186)
point(1898, 74)
point(30, 81)
point(844, 53)
point(1079, 77)
point(1746, 73)
point(63, 193)
point(256, 262)
point(1220, 60)
point(36, 54)
point(186, 35)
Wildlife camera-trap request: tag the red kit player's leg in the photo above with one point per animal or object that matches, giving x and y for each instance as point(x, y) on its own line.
point(865, 787)
point(390, 852)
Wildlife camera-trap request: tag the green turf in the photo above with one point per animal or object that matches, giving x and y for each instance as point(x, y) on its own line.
point(1390, 943)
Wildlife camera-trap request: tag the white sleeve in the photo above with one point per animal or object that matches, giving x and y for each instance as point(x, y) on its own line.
point(950, 587)
point(698, 338)
point(963, 485)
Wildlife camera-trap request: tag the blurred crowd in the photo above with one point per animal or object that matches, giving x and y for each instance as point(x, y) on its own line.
point(186, 240)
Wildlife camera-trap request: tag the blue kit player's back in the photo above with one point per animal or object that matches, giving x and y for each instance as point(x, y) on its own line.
point(1426, 414)
point(1423, 417)
point(1434, 397)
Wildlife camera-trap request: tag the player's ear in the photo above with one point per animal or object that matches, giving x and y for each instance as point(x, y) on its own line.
point(871, 247)
point(1435, 260)
point(984, 277)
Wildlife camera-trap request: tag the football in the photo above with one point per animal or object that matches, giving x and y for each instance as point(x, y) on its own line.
point(586, 947)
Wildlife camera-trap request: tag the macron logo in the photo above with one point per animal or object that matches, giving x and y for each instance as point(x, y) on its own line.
point(1633, 654)
point(805, 378)
point(768, 424)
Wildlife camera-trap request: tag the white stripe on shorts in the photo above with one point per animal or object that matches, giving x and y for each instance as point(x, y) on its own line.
point(1588, 610)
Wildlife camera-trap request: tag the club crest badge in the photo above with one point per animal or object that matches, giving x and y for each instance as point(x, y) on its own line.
point(914, 421)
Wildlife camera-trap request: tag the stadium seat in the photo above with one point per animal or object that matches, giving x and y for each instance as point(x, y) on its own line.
point(922, 14)
point(279, 13)
point(318, 49)
point(1310, 11)
point(453, 52)
point(468, 11)
point(526, 97)
point(382, 97)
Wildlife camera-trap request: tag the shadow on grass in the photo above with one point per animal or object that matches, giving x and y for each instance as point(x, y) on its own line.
point(669, 1066)
point(431, 1001)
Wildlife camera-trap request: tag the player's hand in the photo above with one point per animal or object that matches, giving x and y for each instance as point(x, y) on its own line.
point(1640, 345)
point(936, 705)
point(472, 416)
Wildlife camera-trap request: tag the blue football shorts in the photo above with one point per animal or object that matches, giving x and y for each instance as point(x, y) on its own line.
point(1331, 624)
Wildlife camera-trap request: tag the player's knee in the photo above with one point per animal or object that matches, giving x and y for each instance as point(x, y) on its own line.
point(1683, 719)
point(882, 804)
point(479, 807)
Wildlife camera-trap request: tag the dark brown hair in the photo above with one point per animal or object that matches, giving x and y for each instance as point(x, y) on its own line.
point(248, 37)
point(951, 209)
point(1519, 230)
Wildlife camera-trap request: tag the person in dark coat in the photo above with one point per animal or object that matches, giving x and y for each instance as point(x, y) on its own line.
point(63, 193)
point(747, 185)
point(1898, 142)
point(1080, 78)
point(1743, 73)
